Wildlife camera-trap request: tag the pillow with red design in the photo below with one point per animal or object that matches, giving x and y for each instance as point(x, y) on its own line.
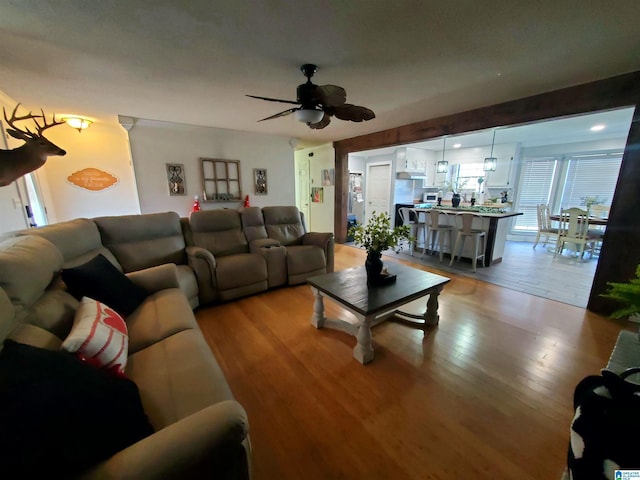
point(99, 336)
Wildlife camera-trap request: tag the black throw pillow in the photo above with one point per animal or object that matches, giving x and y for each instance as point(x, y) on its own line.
point(60, 415)
point(101, 280)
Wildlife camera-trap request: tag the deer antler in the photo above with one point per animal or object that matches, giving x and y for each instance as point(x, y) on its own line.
point(23, 134)
point(45, 126)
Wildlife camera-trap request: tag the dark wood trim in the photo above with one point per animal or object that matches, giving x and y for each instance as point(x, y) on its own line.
point(621, 251)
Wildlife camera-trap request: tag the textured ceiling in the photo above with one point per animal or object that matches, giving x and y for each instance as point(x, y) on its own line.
point(193, 62)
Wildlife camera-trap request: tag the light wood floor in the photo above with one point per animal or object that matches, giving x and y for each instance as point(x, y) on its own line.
point(485, 395)
point(564, 278)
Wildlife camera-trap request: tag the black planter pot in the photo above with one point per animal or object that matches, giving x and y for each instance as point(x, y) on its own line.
point(373, 265)
point(455, 200)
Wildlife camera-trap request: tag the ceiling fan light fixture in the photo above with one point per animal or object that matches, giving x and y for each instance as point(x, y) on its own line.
point(309, 115)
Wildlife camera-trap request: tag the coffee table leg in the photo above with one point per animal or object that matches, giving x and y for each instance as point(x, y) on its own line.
point(363, 351)
point(431, 316)
point(318, 318)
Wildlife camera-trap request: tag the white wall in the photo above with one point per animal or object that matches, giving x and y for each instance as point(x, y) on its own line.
point(102, 146)
point(154, 144)
point(320, 214)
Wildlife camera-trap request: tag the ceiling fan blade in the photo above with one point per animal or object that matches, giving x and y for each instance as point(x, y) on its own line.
point(281, 114)
point(353, 113)
point(326, 120)
point(274, 99)
point(330, 95)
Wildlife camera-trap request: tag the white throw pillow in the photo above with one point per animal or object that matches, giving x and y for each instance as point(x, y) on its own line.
point(99, 336)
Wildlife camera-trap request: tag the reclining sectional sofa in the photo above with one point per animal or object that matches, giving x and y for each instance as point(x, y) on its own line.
point(218, 255)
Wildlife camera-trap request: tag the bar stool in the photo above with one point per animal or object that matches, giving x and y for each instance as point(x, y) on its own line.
point(464, 223)
point(406, 215)
point(437, 231)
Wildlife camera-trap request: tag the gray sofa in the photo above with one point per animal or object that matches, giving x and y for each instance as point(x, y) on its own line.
point(241, 252)
point(200, 430)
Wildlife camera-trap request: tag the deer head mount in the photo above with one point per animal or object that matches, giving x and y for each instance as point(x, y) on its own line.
point(33, 154)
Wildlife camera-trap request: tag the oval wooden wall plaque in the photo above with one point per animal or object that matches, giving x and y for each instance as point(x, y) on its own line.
point(92, 179)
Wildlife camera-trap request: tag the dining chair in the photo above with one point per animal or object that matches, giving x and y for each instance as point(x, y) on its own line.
point(597, 231)
point(574, 228)
point(464, 224)
point(437, 230)
point(544, 225)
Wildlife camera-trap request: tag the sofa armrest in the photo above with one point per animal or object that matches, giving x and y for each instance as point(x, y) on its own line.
point(154, 279)
point(211, 443)
point(325, 241)
point(204, 266)
point(255, 246)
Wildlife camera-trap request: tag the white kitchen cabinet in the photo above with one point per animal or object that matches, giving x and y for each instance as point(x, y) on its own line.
point(433, 179)
point(412, 160)
point(501, 177)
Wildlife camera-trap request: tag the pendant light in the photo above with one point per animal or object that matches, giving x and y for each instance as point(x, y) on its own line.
point(491, 162)
point(443, 165)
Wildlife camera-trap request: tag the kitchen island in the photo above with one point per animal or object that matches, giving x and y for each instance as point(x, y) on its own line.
point(494, 220)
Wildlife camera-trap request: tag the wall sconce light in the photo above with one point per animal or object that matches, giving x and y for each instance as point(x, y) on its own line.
point(443, 165)
point(491, 162)
point(78, 123)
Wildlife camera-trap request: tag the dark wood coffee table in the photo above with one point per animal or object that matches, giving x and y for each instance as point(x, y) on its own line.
point(373, 304)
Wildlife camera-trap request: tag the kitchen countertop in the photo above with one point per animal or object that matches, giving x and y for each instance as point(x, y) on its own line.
point(492, 212)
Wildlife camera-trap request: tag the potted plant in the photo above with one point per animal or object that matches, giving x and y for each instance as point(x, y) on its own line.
point(376, 237)
point(454, 186)
point(628, 294)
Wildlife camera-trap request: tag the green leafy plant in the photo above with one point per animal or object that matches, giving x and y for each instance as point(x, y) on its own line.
point(627, 294)
point(588, 201)
point(454, 185)
point(378, 236)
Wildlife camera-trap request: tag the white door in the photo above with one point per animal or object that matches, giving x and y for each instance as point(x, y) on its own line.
point(303, 188)
point(378, 189)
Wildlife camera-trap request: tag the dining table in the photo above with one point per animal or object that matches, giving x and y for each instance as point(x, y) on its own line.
point(596, 221)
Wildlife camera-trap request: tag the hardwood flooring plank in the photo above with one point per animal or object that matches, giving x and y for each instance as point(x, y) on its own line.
point(486, 394)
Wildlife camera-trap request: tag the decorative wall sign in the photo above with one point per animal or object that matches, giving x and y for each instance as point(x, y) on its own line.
point(260, 181)
point(175, 177)
point(92, 179)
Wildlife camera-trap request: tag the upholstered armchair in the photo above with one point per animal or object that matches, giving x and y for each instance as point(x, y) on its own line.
point(308, 253)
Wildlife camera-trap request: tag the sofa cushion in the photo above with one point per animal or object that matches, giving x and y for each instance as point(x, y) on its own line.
point(99, 336)
point(239, 270)
point(253, 223)
point(219, 231)
point(60, 415)
point(77, 240)
point(142, 241)
point(177, 377)
point(304, 261)
point(161, 315)
point(284, 224)
point(101, 280)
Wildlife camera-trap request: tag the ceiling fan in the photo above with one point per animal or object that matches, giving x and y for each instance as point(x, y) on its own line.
point(318, 103)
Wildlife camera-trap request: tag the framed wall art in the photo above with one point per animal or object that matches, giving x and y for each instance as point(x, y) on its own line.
point(221, 180)
point(260, 181)
point(175, 177)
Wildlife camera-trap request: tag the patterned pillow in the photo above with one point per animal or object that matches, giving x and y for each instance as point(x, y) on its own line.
point(99, 336)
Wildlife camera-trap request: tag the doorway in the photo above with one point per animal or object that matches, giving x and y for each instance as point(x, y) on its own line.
point(378, 189)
